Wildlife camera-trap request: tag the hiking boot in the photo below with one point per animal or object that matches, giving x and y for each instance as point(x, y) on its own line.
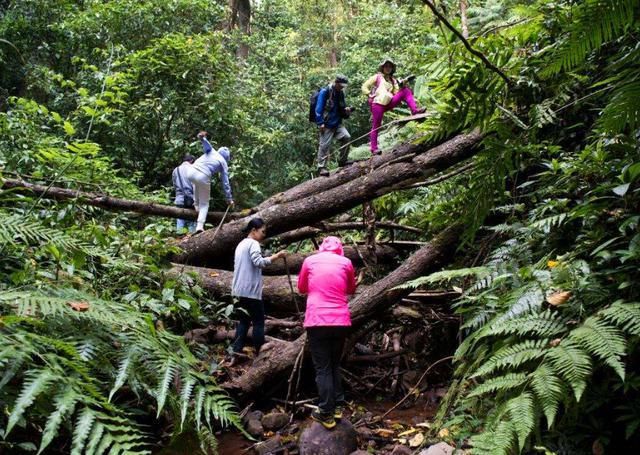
point(406, 81)
point(422, 110)
point(337, 412)
point(323, 172)
point(327, 420)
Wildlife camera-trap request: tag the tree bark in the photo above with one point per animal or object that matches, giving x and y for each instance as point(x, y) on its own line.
point(216, 249)
point(377, 297)
point(111, 203)
point(322, 228)
point(241, 17)
point(464, 23)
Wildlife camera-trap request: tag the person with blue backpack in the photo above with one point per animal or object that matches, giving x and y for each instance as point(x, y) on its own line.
point(330, 109)
point(211, 162)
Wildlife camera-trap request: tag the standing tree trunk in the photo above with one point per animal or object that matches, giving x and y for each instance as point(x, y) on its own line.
point(241, 17)
point(463, 18)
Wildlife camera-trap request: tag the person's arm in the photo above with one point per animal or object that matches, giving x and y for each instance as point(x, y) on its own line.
point(174, 179)
point(320, 103)
point(224, 179)
point(351, 279)
point(303, 279)
point(206, 146)
point(258, 260)
point(368, 85)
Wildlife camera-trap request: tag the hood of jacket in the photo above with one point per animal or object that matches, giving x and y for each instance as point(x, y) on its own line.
point(333, 245)
point(226, 153)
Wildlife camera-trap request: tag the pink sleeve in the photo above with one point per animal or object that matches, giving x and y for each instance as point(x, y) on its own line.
point(351, 279)
point(303, 278)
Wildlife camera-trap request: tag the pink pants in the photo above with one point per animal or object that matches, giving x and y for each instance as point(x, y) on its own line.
point(378, 110)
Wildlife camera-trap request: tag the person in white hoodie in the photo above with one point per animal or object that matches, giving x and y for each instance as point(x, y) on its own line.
point(200, 173)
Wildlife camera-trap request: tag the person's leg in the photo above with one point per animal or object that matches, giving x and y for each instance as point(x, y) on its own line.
point(180, 225)
point(242, 328)
point(337, 346)
point(256, 311)
point(404, 94)
point(321, 356)
point(191, 225)
point(202, 191)
point(377, 112)
point(343, 136)
point(323, 147)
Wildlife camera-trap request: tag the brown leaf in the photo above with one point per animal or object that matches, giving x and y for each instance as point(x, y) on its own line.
point(555, 342)
point(79, 305)
point(558, 298)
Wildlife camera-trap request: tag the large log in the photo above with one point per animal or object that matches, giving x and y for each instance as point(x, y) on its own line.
point(111, 203)
point(215, 249)
point(308, 232)
point(378, 296)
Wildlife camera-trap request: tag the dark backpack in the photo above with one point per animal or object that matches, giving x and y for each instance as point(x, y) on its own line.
point(313, 100)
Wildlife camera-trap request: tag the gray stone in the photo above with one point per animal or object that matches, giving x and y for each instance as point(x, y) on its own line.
point(268, 446)
point(275, 420)
point(441, 448)
point(253, 415)
point(317, 440)
point(360, 452)
point(401, 450)
point(254, 428)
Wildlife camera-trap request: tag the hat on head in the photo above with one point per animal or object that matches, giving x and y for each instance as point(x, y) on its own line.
point(333, 245)
point(188, 157)
point(226, 153)
point(384, 62)
point(342, 79)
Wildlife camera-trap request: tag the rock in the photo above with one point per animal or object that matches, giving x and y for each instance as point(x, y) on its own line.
point(275, 420)
point(360, 452)
point(441, 448)
point(317, 440)
point(253, 415)
point(401, 450)
point(268, 446)
point(254, 428)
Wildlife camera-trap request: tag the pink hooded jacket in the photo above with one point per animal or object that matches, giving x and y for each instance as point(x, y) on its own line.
point(328, 277)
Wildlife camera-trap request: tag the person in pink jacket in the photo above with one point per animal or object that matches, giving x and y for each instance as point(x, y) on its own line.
point(327, 277)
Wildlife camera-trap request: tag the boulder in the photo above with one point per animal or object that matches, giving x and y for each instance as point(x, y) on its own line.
point(275, 420)
point(441, 448)
point(401, 450)
point(317, 440)
point(254, 428)
point(360, 452)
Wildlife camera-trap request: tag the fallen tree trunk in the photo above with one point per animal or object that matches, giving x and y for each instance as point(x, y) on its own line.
point(111, 203)
point(216, 249)
point(359, 257)
point(378, 296)
point(321, 228)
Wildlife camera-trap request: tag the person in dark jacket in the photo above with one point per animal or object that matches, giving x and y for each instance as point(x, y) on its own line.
point(331, 108)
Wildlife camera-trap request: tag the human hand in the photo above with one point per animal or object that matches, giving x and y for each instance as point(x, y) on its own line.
point(322, 128)
point(230, 203)
point(202, 135)
point(280, 254)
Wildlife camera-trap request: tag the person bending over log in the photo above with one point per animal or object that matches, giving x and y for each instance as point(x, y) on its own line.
point(211, 162)
point(327, 277)
point(246, 287)
point(385, 92)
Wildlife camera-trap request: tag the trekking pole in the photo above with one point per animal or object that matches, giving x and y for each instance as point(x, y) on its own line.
point(221, 221)
point(293, 294)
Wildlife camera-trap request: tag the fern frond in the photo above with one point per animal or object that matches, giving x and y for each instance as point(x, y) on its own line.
point(170, 369)
point(623, 109)
point(64, 404)
point(499, 384)
point(572, 363)
point(625, 315)
point(35, 383)
point(513, 356)
point(549, 389)
point(521, 411)
point(185, 395)
point(123, 370)
point(501, 441)
point(84, 422)
point(445, 276)
point(602, 340)
point(546, 324)
point(595, 22)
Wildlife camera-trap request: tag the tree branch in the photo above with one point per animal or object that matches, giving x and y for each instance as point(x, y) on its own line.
point(466, 43)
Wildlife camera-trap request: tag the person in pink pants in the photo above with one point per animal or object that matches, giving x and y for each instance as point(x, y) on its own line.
point(385, 92)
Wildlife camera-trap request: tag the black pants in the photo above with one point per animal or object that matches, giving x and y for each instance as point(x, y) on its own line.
point(253, 314)
point(326, 344)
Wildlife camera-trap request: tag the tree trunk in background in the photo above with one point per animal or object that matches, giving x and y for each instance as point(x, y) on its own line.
point(216, 248)
point(463, 18)
point(241, 18)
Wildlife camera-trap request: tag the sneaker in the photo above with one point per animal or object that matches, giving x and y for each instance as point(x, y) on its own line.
point(324, 173)
point(337, 412)
point(407, 80)
point(422, 110)
point(326, 420)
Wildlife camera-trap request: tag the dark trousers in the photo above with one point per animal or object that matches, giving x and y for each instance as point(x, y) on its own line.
point(253, 314)
point(326, 344)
